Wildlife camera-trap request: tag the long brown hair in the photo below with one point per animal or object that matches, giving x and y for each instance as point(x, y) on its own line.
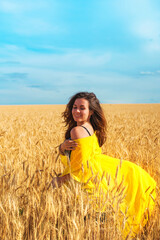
point(97, 119)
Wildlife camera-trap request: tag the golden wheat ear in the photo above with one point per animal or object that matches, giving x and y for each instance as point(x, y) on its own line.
point(57, 157)
point(57, 174)
point(54, 173)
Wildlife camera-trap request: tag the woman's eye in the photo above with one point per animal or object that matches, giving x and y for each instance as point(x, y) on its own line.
point(79, 108)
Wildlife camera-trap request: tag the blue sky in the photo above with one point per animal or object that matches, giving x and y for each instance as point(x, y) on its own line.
point(51, 49)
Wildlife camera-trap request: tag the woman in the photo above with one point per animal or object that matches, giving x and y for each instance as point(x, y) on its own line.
point(86, 133)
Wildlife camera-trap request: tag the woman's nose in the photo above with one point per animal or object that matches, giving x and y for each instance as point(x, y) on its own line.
point(77, 110)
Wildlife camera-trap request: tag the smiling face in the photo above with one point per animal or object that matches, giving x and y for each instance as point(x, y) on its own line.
point(80, 111)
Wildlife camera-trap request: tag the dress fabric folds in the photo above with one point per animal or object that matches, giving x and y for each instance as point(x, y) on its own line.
point(138, 188)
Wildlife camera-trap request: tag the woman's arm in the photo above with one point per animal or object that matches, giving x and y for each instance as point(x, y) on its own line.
point(68, 144)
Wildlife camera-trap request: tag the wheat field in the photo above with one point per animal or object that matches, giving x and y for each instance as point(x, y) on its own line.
point(29, 137)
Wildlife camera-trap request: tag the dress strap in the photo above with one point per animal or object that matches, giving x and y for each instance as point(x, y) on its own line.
point(86, 130)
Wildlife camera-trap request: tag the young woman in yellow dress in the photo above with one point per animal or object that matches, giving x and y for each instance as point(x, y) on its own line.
point(85, 134)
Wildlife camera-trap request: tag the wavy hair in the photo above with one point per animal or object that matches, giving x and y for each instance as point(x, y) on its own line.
point(97, 119)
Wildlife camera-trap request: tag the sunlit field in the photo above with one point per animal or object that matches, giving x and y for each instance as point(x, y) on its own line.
point(31, 210)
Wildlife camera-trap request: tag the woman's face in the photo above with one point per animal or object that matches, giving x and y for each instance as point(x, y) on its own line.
point(80, 111)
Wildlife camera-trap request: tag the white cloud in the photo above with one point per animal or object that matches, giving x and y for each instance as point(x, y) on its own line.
point(10, 7)
point(142, 19)
point(35, 26)
point(49, 86)
point(136, 10)
point(150, 73)
point(153, 46)
point(32, 17)
point(72, 59)
point(148, 29)
point(147, 73)
point(70, 68)
point(18, 6)
point(149, 32)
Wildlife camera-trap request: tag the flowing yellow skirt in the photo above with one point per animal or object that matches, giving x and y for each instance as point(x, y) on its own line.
point(133, 186)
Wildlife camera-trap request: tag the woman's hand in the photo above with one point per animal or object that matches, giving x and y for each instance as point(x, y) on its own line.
point(58, 181)
point(68, 145)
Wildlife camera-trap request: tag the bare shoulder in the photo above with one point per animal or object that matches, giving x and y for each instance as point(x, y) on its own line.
point(78, 132)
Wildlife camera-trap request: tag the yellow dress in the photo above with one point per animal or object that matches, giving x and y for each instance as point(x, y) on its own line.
point(87, 163)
